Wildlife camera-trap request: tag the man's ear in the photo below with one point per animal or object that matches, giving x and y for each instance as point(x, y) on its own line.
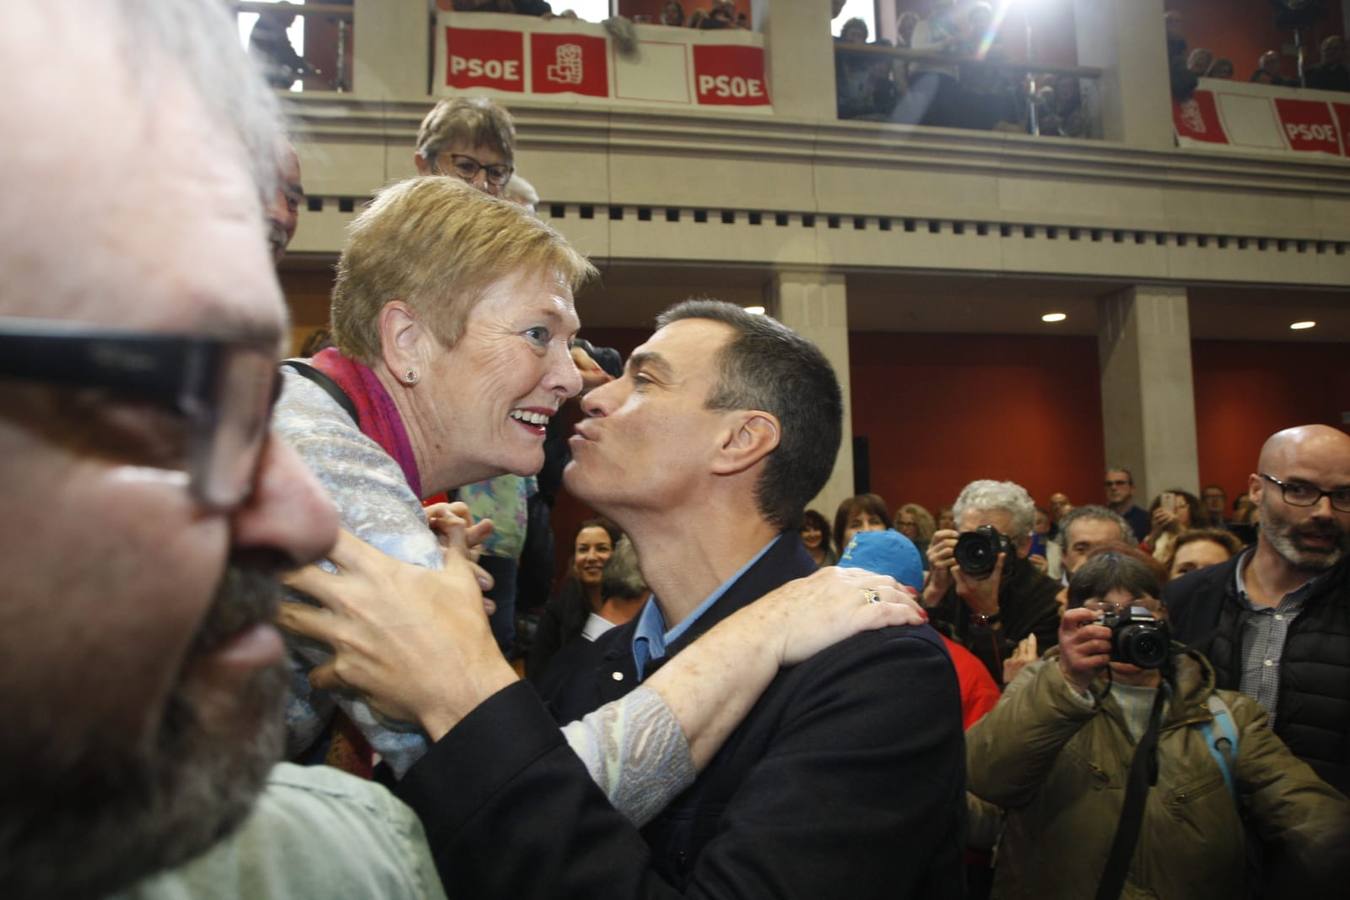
point(1256, 485)
point(754, 435)
point(402, 341)
point(422, 164)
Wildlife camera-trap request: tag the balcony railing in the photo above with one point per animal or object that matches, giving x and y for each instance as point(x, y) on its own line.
point(915, 87)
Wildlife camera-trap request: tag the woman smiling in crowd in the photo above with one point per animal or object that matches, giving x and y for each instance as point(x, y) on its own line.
point(576, 609)
point(816, 538)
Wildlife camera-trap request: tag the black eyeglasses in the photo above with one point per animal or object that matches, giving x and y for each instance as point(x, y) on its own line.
point(1301, 493)
point(1117, 482)
point(224, 388)
point(467, 168)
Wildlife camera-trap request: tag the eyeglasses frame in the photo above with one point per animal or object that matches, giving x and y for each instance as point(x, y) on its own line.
point(1284, 493)
point(177, 372)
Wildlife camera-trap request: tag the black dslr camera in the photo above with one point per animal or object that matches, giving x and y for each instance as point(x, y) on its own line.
point(977, 551)
point(1137, 638)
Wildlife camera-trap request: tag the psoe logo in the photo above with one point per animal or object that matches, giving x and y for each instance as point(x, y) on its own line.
point(724, 86)
point(567, 67)
point(1300, 131)
point(495, 69)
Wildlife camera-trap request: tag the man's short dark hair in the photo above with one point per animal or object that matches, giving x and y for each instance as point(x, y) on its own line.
point(1129, 476)
point(770, 367)
point(1116, 567)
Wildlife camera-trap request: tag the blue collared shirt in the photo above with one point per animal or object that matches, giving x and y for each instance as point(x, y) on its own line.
point(651, 638)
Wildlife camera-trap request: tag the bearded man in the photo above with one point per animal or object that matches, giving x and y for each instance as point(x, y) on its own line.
point(1275, 620)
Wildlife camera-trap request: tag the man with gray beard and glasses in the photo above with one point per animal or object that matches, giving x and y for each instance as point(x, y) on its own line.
point(147, 513)
point(1275, 620)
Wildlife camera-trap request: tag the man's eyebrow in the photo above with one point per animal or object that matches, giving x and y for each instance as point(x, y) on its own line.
point(221, 319)
point(651, 362)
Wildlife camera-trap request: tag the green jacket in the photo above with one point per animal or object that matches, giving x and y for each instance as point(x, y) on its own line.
point(1057, 763)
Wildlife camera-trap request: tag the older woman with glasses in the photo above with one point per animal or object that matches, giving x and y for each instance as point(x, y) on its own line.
point(470, 138)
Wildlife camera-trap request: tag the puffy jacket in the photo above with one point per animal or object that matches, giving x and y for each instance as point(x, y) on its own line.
point(1058, 765)
point(1313, 711)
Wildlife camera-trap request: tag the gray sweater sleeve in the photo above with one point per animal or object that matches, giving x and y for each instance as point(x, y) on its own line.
point(636, 752)
point(375, 503)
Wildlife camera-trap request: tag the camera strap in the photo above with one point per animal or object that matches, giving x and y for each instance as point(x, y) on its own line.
point(329, 386)
point(1143, 775)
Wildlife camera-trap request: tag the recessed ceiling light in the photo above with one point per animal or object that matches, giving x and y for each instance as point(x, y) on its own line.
point(755, 310)
point(1053, 317)
point(1301, 326)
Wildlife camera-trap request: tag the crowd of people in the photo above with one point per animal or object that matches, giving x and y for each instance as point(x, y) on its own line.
point(959, 84)
point(1188, 65)
point(714, 709)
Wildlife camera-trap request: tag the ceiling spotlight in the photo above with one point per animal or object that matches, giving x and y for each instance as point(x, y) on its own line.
point(1301, 326)
point(1053, 317)
point(755, 310)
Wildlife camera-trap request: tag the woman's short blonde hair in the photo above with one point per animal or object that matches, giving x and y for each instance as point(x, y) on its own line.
point(471, 121)
point(437, 244)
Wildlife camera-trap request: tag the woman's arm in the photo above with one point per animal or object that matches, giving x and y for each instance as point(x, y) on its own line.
point(417, 644)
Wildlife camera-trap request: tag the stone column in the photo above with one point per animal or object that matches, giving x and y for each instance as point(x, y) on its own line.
point(390, 49)
point(1148, 400)
point(1128, 40)
point(799, 56)
point(813, 303)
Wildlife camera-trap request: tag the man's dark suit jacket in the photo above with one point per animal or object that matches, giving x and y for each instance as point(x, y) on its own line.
point(845, 780)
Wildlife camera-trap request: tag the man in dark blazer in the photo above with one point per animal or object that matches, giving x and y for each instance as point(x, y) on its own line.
point(845, 779)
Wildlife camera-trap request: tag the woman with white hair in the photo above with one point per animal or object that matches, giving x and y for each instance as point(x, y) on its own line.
point(981, 589)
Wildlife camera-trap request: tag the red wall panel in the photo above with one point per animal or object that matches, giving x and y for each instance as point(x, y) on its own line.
point(942, 410)
point(1245, 392)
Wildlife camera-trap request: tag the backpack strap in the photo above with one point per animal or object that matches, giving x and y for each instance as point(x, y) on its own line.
point(329, 386)
point(1222, 739)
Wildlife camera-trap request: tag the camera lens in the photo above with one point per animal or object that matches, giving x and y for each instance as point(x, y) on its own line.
point(977, 551)
point(1144, 645)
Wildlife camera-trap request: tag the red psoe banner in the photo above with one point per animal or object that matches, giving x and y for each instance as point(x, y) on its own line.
point(568, 64)
point(1225, 115)
point(1307, 126)
point(480, 57)
point(522, 56)
point(729, 76)
point(1197, 119)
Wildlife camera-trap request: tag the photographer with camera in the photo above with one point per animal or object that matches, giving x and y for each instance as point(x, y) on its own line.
point(982, 591)
point(1123, 772)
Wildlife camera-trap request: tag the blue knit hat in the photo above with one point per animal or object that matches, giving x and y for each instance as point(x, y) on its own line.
point(887, 553)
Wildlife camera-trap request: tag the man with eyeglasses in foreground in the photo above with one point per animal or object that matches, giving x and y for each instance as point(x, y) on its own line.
point(1275, 620)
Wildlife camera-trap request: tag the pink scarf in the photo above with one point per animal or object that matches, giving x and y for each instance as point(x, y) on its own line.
point(377, 415)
